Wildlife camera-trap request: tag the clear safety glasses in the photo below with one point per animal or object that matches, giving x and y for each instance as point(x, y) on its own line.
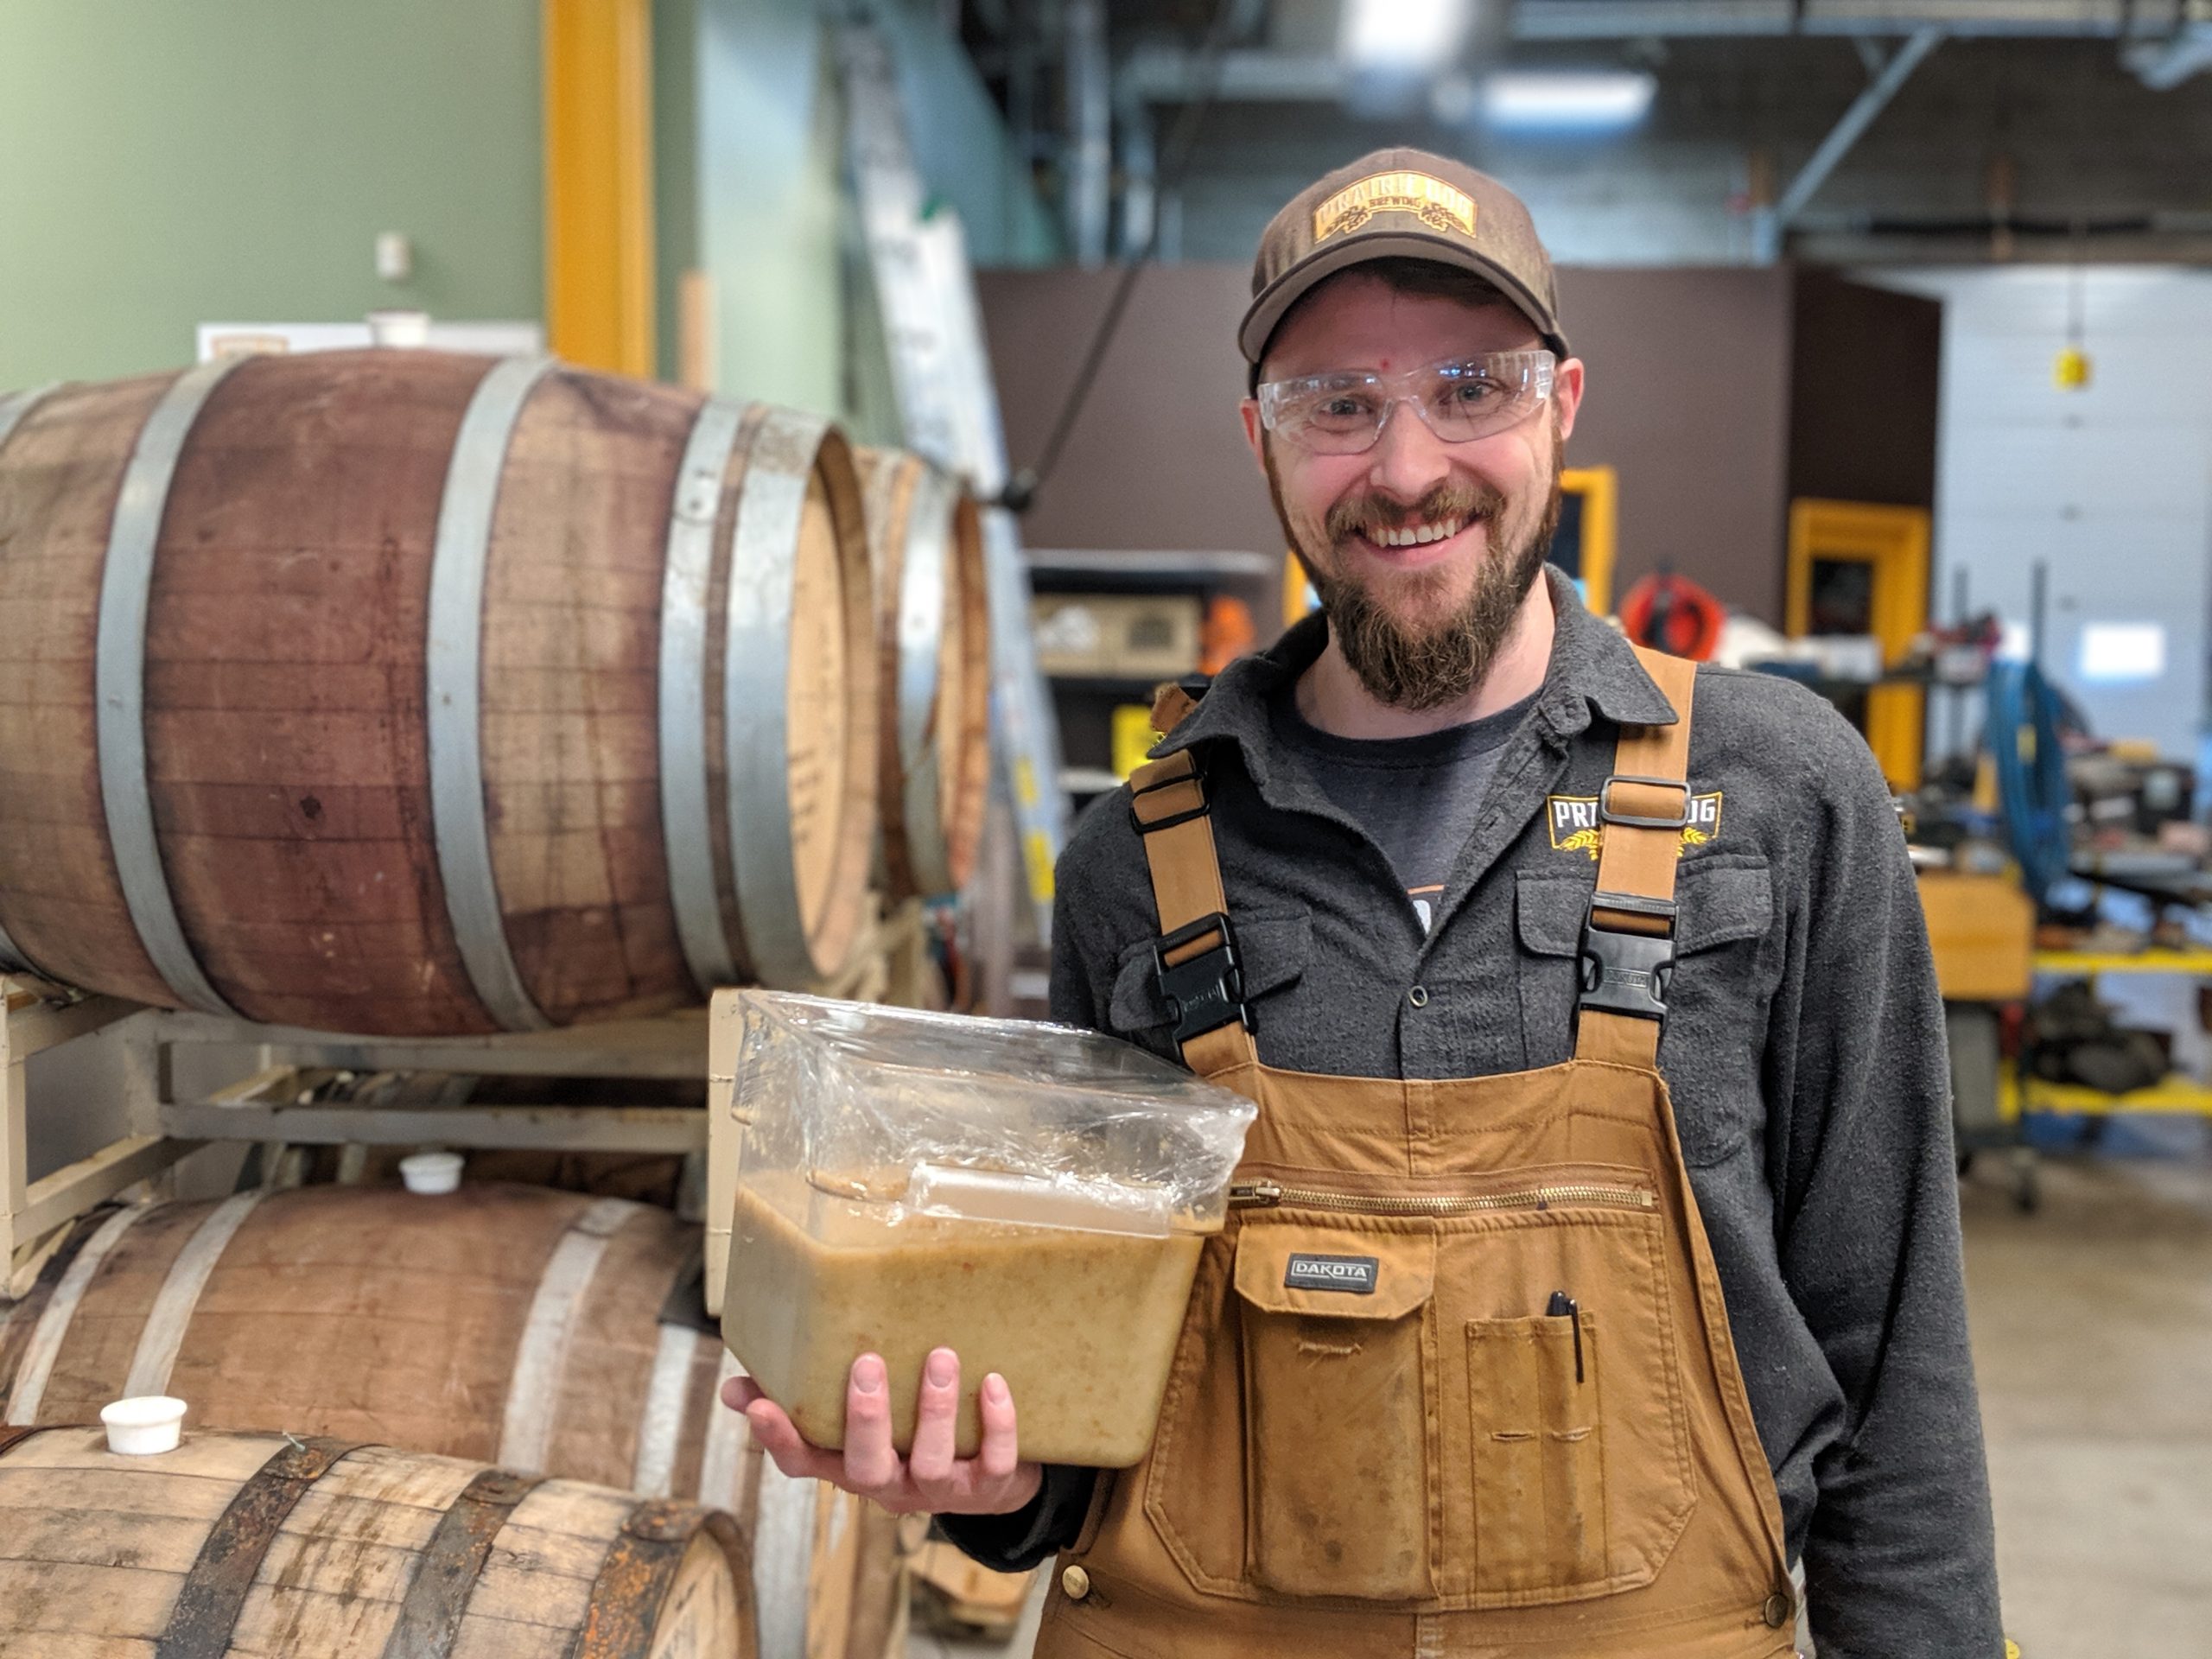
point(1459, 400)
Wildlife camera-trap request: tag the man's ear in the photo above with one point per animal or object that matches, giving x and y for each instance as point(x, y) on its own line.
point(1255, 435)
point(1567, 394)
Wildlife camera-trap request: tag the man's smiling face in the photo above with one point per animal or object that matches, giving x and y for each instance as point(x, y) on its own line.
point(1421, 551)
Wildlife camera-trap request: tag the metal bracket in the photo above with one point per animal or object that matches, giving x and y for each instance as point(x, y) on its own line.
point(1606, 815)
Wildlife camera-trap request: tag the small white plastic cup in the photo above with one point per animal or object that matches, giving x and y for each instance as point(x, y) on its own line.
point(404, 328)
point(144, 1426)
point(431, 1173)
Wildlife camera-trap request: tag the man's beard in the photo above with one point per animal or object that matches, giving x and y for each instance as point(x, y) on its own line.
point(1406, 666)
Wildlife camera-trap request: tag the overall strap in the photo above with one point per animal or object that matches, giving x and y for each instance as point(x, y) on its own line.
point(1628, 939)
point(1201, 974)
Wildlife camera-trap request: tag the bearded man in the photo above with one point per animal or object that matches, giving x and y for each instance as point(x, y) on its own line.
point(1592, 1283)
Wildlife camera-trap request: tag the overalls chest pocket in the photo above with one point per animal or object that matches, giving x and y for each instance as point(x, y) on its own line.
point(1727, 964)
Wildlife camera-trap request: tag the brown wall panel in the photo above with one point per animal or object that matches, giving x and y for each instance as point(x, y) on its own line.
point(1689, 397)
point(1864, 392)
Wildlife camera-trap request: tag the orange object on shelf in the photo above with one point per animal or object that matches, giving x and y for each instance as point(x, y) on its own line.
point(1227, 634)
point(1673, 614)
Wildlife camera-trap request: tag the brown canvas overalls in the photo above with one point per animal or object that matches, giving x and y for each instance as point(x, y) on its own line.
point(1456, 1377)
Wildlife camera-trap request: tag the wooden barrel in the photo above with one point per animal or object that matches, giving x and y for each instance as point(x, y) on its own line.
point(545, 1331)
point(284, 1544)
point(406, 692)
point(933, 722)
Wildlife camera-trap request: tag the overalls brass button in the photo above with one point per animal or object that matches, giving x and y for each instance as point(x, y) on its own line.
point(1418, 996)
point(1777, 1612)
point(1075, 1583)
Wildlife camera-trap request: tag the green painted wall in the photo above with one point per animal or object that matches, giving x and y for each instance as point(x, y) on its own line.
point(768, 184)
point(164, 164)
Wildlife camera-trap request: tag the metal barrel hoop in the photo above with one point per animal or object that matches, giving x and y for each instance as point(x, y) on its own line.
point(686, 825)
point(119, 671)
point(13, 408)
point(756, 690)
point(454, 667)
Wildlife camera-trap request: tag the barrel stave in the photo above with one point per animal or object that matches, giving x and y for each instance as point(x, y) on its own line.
point(294, 550)
point(59, 476)
point(571, 646)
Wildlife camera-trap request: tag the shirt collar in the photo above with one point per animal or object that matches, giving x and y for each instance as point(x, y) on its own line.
point(1592, 673)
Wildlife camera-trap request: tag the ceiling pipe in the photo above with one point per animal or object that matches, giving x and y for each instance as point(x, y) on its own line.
point(1767, 229)
point(2163, 64)
point(1598, 20)
point(1090, 157)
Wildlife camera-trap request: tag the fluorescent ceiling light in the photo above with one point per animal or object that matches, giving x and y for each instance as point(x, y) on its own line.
point(1409, 35)
point(1596, 101)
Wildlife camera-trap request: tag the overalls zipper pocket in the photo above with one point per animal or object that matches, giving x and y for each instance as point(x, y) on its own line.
point(1267, 1195)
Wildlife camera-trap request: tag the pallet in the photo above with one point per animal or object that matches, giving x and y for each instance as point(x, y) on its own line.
point(310, 1088)
point(956, 1596)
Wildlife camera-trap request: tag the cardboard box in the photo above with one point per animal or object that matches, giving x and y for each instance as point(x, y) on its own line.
point(1141, 636)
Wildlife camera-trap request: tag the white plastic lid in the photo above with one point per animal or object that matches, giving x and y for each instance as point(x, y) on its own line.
point(431, 1171)
point(144, 1426)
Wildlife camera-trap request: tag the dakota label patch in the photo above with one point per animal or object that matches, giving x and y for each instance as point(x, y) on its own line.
point(1355, 1273)
point(1436, 204)
point(1575, 829)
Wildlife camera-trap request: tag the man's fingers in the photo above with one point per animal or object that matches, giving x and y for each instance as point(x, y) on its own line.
point(996, 1457)
point(870, 1463)
point(935, 1414)
point(779, 1437)
point(739, 1392)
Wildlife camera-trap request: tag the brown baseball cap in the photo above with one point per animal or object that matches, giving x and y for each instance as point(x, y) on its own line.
point(1400, 204)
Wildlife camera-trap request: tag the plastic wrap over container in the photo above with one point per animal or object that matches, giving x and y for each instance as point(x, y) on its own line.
point(1030, 1196)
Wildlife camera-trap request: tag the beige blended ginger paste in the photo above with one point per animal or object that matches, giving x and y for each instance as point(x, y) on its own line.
point(1081, 1325)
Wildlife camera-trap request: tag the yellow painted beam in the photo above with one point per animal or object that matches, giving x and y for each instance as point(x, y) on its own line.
point(599, 212)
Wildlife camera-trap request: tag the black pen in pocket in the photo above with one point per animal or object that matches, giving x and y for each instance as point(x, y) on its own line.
point(1564, 1306)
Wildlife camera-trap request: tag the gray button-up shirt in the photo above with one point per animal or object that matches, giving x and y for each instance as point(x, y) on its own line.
point(1803, 1050)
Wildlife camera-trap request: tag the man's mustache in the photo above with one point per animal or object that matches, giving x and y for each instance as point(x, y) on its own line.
point(1358, 515)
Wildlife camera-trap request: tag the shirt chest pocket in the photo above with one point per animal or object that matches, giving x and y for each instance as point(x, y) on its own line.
point(1727, 963)
point(1272, 947)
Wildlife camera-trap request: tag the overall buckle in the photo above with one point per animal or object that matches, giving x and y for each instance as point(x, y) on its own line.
point(1207, 991)
point(1195, 778)
point(1634, 821)
point(1627, 973)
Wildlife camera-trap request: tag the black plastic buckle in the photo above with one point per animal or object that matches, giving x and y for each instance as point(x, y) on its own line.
point(1606, 815)
point(1627, 973)
point(1207, 991)
point(1195, 777)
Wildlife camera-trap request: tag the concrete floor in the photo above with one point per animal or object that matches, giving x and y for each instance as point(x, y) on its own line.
point(2093, 1343)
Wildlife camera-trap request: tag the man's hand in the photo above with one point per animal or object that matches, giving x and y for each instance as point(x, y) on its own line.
point(993, 1482)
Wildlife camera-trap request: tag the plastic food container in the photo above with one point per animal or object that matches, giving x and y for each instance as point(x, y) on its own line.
point(1030, 1196)
point(144, 1426)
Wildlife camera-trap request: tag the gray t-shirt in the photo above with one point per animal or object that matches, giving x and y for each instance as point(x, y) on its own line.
point(1417, 797)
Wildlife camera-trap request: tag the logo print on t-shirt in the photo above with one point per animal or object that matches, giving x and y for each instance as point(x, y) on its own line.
point(1575, 826)
point(1425, 903)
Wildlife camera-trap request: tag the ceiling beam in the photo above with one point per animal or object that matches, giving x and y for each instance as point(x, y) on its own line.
point(1768, 228)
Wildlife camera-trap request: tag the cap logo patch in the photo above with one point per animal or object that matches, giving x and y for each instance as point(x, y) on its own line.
point(1436, 204)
